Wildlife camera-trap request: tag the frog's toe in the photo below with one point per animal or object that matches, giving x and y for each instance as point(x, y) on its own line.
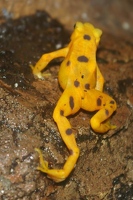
point(36, 72)
point(43, 164)
point(43, 168)
point(32, 67)
point(39, 74)
point(110, 126)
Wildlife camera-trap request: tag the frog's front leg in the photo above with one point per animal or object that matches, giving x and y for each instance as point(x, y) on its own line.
point(45, 59)
point(67, 104)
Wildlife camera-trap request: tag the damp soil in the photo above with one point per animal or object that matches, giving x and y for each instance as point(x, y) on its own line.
point(105, 168)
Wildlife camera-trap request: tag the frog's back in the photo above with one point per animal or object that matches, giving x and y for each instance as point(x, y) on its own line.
point(80, 62)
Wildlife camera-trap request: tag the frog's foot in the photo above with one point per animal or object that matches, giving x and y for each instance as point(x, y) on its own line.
point(57, 175)
point(112, 126)
point(39, 74)
point(102, 127)
point(108, 125)
point(43, 164)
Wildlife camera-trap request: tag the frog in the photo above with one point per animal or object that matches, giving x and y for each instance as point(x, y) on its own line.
point(82, 83)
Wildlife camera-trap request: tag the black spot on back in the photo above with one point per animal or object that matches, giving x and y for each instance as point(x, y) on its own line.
point(87, 86)
point(82, 59)
point(76, 83)
point(87, 37)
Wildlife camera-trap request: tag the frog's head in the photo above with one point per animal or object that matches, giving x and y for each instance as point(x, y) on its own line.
point(86, 29)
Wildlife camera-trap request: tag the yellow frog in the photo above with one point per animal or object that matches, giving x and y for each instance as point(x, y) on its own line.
point(82, 82)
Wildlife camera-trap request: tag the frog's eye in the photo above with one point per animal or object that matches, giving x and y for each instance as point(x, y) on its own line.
point(74, 26)
point(78, 25)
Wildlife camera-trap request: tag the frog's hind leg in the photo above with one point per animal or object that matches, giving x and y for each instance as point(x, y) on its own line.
point(67, 104)
point(96, 100)
point(100, 121)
